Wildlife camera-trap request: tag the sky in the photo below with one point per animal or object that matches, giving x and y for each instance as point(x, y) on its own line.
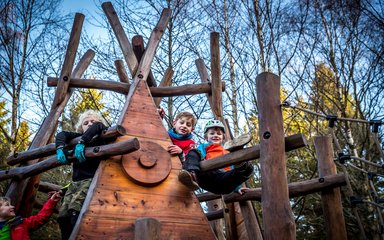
point(82, 6)
point(90, 9)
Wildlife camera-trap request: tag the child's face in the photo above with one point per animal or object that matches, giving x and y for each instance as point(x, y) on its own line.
point(215, 135)
point(183, 125)
point(87, 122)
point(7, 211)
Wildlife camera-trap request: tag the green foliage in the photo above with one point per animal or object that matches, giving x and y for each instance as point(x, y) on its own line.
point(88, 99)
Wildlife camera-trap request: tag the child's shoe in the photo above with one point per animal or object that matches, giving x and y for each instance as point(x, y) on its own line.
point(238, 143)
point(244, 168)
point(188, 179)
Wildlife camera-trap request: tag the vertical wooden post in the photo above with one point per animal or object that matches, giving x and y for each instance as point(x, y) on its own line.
point(277, 214)
point(331, 199)
point(147, 228)
point(217, 97)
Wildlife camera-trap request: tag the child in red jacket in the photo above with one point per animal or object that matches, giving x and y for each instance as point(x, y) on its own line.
point(16, 227)
point(181, 135)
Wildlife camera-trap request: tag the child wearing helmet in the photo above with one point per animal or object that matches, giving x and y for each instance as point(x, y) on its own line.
point(90, 126)
point(181, 135)
point(220, 181)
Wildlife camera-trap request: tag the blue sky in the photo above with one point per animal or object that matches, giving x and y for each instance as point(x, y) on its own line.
point(82, 6)
point(90, 9)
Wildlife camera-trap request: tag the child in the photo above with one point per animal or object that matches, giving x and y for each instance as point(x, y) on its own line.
point(220, 181)
point(181, 135)
point(16, 227)
point(90, 124)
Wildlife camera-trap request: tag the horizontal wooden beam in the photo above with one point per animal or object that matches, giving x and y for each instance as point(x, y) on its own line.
point(50, 149)
point(214, 215)
point(296, 189)
point(291, 143)
point(103, 151)
point(47, 187)
point(123, 88)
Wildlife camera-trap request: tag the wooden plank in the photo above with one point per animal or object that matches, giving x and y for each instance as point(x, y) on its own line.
point(217, 99)
point(112, 228)
point(330, 199)
point(147, 228)
point(278, 218)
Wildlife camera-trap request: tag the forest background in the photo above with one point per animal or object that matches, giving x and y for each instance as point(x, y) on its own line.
point(328, 54)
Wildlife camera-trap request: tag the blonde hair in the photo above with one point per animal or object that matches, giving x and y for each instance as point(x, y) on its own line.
point(187, 115)
point(89, 113)
point(4, 200)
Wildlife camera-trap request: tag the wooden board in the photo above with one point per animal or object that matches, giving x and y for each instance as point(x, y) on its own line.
point(116, 199)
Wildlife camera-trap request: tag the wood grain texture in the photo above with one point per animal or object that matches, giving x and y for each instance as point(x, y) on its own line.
point(331, 198)
point(114, 202)
point(277, 213)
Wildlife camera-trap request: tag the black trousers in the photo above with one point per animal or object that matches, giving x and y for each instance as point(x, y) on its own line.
point(217, 181)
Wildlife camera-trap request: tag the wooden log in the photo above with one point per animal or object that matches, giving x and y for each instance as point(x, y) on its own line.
point(214, 215)
point(122, 38)
point(291, 142)
point(204, 77)
point(47, 187)
point(153, 43)
point(28, 189)
point(50, 149)
point(165, 82)
point(121, 73)
point(123, 88)
point(217, 100)
point(250, 220)
point(103, 151)
point(69, 60)
point(147, 228)
point(277, 213)
point(296, 189)
point(330, 198)
point(138, 49)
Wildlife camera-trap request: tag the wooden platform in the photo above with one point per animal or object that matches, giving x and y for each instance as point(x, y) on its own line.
point(141, 184)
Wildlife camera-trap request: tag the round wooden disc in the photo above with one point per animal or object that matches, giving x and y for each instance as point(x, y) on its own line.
point(148, 166)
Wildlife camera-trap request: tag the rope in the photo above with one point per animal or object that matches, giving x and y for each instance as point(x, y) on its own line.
point(370, 122)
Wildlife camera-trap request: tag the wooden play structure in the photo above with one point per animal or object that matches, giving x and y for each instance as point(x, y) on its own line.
point(135, 193)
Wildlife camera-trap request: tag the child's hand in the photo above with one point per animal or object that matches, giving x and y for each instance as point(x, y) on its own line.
point(61, 156)
point(161, 112)
point(174, 150)
point(242, 190)
point(79, 152)
point(55, 195)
